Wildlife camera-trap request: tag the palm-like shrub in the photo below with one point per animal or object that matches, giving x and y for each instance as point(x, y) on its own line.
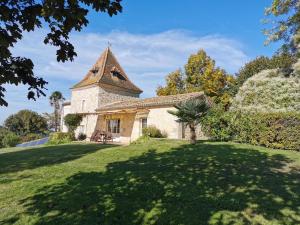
point(190, 113)
point(56, 100)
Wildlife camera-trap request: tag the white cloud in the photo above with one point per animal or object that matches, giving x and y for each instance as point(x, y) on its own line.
point(146, 58)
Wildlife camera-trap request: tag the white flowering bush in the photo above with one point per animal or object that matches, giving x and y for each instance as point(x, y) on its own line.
point(269, 91)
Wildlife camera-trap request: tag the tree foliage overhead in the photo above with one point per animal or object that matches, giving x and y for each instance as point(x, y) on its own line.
point(25, 122)
point(285, 21)
point(60, 16)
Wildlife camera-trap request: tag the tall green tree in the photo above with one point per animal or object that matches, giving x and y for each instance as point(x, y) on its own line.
point(56, 100)
point(190, 113)
point(202, 74)
point(60, 17)
point(198, 65)
point(25, 122)
point(284, 20)
point(175, 84)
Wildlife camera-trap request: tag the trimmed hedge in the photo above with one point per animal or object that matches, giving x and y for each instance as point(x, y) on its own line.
point(274, 130)
point(60, 138)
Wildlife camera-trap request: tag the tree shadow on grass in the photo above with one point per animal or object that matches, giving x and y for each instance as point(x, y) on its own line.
point(202, 184)
point(48, 155)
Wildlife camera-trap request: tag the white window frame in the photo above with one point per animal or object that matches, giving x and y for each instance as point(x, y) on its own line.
point(113, 126)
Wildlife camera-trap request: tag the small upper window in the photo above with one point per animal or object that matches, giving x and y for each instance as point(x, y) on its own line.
point(115, 72)
point(83, 105)
point(94, 70)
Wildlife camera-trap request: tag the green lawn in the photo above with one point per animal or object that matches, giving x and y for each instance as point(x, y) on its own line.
point(161, 182)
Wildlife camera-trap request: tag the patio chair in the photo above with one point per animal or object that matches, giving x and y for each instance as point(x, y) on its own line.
point(108, 137)
point(94, 135)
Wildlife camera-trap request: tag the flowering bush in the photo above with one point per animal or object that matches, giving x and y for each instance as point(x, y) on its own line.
point(269, 91)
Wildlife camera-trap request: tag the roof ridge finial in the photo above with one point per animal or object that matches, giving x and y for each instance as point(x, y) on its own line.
point(108, 44)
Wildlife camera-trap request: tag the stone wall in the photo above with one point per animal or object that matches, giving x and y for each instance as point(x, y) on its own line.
point(89, 95)
point(199, 133)
point(166, 122)
point(88, 99)
point(66, 109)
point(87, 126)
point(107, 96)
point(94, 97)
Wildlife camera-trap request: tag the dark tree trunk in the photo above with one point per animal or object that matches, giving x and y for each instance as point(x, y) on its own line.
point(56, 116)
point(193, 134)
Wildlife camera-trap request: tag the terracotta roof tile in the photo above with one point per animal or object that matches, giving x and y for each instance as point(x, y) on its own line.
point(150, 102)
point(107, 70)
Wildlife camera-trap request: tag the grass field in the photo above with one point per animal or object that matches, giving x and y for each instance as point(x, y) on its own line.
point(160, 182)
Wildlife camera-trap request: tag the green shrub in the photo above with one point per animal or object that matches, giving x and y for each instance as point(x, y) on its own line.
point(60, 138)
point(31, 137)
point(10, 140)
point(3, 132)
point(274, 130)
point(217, 123)
point(81, 137)
point(153, 132)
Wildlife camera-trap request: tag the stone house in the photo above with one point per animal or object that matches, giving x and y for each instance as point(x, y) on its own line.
point(109, 101)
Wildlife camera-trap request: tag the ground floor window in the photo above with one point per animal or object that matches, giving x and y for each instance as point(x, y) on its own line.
point(144, 122)
point(113, 126)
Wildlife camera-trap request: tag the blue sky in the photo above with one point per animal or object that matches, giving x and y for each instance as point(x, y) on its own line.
point(150, 39)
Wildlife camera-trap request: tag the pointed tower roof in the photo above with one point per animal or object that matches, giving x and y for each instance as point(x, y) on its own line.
point(108, 71)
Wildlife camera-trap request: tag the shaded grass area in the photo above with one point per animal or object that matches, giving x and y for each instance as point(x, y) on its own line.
point(160, 182)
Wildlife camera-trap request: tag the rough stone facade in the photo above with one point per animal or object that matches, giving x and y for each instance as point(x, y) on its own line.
point(109, 96)
point(88, 99)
